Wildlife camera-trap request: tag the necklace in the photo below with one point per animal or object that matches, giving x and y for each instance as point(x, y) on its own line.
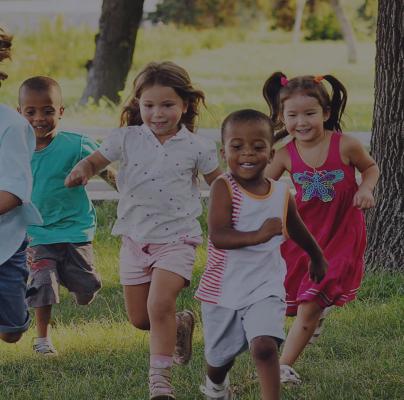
point(320, 156)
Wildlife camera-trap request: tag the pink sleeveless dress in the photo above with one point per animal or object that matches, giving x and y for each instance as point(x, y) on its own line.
point(324, 198)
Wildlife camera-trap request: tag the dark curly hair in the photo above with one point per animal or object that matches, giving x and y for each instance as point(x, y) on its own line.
point(5, 49)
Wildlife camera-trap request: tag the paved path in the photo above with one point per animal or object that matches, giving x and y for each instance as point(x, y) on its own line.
point(99, 190)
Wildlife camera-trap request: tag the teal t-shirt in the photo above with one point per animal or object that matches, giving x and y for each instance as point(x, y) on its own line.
point(68, 214)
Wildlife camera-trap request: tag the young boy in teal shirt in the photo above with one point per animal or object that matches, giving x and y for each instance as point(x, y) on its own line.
point(61, 250)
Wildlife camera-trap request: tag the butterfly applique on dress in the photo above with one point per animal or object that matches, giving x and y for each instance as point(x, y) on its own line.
point(318, 183)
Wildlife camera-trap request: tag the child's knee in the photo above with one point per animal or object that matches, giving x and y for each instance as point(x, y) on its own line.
point(264, 348)
point(11, 337)
point(83, 299)
point(139, 322)
point(160, 308)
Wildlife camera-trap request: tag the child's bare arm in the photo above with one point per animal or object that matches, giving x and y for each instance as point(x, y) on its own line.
point(353, 151)
point(109, 175)
point(221, 232)
point(85, 169)
point(8, 201)
point(298, 233)
point(278, 164)
point(209, 178)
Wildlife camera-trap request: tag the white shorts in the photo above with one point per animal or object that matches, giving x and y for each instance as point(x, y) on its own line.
point(228, 333)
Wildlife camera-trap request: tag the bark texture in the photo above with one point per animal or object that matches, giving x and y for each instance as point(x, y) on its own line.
point(115, 44)
point(386, 221)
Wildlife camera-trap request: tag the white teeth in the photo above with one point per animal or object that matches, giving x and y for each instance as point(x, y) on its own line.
point(247, 165)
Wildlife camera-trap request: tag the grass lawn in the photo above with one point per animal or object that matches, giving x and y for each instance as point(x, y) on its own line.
point(359, 356)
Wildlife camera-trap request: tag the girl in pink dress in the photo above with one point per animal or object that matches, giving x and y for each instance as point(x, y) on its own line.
point(321, 162)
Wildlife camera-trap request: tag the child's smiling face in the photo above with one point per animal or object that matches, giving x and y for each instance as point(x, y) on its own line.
point(161, 109)
point(43, 110)
point(247, 148)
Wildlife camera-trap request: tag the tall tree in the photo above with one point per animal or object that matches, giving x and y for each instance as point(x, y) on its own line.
point(115, 44)
point(386, 221)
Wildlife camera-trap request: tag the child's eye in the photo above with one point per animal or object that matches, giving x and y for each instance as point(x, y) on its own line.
point(236, 146)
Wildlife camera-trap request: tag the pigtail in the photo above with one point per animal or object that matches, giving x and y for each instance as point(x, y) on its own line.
point(270, 91)
point(338, 102)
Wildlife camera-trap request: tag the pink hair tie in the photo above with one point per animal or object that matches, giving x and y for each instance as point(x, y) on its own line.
point(284, 81)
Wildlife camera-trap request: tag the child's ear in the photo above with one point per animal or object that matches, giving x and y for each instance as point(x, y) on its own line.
point(185, 108)
point(19, 109)
point(61, 111)
point(222, 153)
point(326, 114)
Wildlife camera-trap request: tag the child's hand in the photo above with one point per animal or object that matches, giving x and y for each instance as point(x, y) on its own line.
point(79, 175)
point(270, 228)
point(363, 198)
point(317, 269)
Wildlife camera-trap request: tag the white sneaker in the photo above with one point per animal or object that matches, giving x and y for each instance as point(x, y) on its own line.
point(217, 392)
point(289, 375)
point(320, 325)
point(44, 347)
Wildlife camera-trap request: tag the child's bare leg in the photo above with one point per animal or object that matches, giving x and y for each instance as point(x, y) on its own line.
point(136, 305)
point(264, 351)
point(308, 314)
point(161, 306)
point(42, 318)
point(218, 374)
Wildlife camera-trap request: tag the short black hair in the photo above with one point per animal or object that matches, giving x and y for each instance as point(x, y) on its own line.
point(40, 84)
point(246, 115)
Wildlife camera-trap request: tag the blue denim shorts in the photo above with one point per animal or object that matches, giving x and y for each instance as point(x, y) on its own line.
point(14, 316)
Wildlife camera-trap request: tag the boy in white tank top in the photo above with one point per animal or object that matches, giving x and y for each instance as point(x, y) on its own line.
point(241, 290)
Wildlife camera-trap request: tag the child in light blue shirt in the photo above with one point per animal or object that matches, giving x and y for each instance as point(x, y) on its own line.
point(17, 143)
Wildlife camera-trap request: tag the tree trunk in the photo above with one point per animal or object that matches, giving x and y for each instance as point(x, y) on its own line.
point(386, 221)
point(298, 20)
point(115, 44)
point(347, 31)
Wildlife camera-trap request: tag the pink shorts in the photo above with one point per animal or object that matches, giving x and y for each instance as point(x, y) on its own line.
point(137, 260)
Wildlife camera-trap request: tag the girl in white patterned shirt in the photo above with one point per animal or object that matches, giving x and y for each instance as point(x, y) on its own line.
point(157, 214)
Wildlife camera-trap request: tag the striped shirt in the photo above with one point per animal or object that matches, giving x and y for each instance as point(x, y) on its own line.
point(237, 278)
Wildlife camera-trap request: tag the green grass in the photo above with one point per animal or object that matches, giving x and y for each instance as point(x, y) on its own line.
point(101, 356)
point(229, 65)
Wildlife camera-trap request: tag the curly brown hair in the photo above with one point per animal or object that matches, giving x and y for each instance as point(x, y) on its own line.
point(5, 49)
point(168, 74)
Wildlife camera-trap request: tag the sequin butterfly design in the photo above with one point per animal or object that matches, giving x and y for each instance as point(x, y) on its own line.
point(318, 183)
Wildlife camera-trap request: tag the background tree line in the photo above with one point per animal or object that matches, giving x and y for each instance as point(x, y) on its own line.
point(319, 19)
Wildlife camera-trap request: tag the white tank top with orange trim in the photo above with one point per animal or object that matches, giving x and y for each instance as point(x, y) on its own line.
point(237, 278)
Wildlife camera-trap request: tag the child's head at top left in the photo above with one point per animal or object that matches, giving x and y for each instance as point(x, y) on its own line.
point(247, 137)
point(163, 98)
point(40, 102)
point(5, 49)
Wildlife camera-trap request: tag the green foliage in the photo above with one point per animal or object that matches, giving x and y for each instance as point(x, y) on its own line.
point(208, 13)
point(368, 12)
point(324, 28)
point(284, 14)
point(52, 50)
